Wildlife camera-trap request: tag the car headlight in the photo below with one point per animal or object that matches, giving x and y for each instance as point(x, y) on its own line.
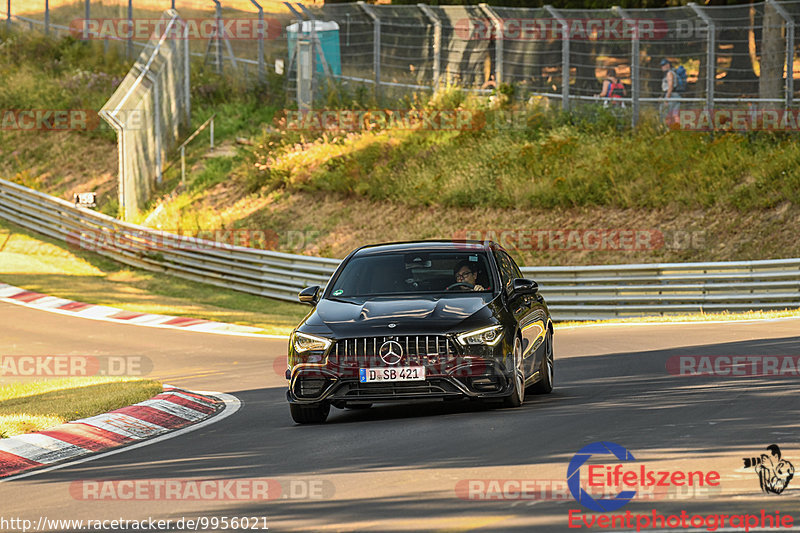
point(303, 342)
point(489, 336)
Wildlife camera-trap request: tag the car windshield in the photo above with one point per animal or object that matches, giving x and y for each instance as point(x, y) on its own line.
point(396, 273)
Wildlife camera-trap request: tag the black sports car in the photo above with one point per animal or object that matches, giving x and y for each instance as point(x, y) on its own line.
point(420, 321)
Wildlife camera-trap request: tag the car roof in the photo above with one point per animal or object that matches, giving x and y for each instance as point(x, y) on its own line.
point(426, 246)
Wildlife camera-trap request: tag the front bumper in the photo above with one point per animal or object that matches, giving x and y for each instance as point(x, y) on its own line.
point(480, 378)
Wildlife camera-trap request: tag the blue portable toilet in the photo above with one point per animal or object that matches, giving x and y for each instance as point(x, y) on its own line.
point(328, 34)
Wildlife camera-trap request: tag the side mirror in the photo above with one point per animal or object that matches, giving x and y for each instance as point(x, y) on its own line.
point(522, 286)
point(309, 295)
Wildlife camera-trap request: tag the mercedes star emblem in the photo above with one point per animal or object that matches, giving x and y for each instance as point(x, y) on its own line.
point(391, 352)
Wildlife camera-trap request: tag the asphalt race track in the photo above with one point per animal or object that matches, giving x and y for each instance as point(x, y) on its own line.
point(404, 468)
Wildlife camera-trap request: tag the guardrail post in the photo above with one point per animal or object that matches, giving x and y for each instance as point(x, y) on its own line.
point(497, 22)
point(711, 67)
point(376, 45)
point(635, 58)
point(789, 50)
point(437, 42)
point(565, 38)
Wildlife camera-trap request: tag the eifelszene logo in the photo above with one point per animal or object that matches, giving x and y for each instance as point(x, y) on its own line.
point(774, 473)
point(601, 505)
point(626, 480)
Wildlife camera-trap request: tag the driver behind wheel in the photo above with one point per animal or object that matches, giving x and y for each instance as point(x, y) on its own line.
point(466, 272)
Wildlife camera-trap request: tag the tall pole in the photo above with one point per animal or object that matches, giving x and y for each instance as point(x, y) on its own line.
point(565, 38)
point(711, 67)
point(635, 58)
point(376, 46)
point(497, 22)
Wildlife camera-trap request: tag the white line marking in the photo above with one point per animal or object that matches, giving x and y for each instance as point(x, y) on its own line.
point(125, 425)
point(41, 448)
point(172, 408)
point(231, 403)
point(215, 328)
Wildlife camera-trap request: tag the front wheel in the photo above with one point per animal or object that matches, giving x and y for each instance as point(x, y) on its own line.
point(310, 414)
point(545, 383)
point(518, 379)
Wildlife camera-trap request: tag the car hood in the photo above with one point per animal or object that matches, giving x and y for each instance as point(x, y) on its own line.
point(357, 318)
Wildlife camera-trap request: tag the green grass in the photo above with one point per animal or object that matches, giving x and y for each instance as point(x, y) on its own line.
point(29, 406)
point(44, 265)
point(549, 160)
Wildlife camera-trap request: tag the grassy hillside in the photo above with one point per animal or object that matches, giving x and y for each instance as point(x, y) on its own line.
point(708, 196)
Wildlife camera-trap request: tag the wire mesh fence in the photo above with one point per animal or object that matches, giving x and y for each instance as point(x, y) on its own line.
point(149, 110)
point(733, 55)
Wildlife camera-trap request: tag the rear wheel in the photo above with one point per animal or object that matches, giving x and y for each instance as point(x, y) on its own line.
point(518, 378)
point(545, 383)
point(310, 414)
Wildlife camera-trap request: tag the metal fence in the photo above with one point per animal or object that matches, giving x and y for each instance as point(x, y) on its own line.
point(149, 110)
point(734, 55)
point(572, 292)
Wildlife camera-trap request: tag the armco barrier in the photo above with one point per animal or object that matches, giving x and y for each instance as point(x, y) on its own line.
point(573, 293)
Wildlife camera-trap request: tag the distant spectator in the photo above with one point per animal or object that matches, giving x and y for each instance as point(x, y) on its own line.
point(669, 104)
point(612, 90)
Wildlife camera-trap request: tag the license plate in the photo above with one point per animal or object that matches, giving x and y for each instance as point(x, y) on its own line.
point(406, 373)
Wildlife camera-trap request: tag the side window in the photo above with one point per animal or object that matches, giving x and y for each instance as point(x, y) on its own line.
point(507, 274)
point(514, 267)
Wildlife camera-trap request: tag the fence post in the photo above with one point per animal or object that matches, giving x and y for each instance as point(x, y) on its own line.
point(8, 15)
point(635, 82)
point(711, 68)
point(86, 15)
point(305, 63)
point(187, 82)
point(376, 52)
point(129, 44)
point(437, 42)
point(789, 50)
point(565, 38)
point(156, 122)
point(497, 22)
point(218, 47)
point(262, 73)
point(47, 17)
